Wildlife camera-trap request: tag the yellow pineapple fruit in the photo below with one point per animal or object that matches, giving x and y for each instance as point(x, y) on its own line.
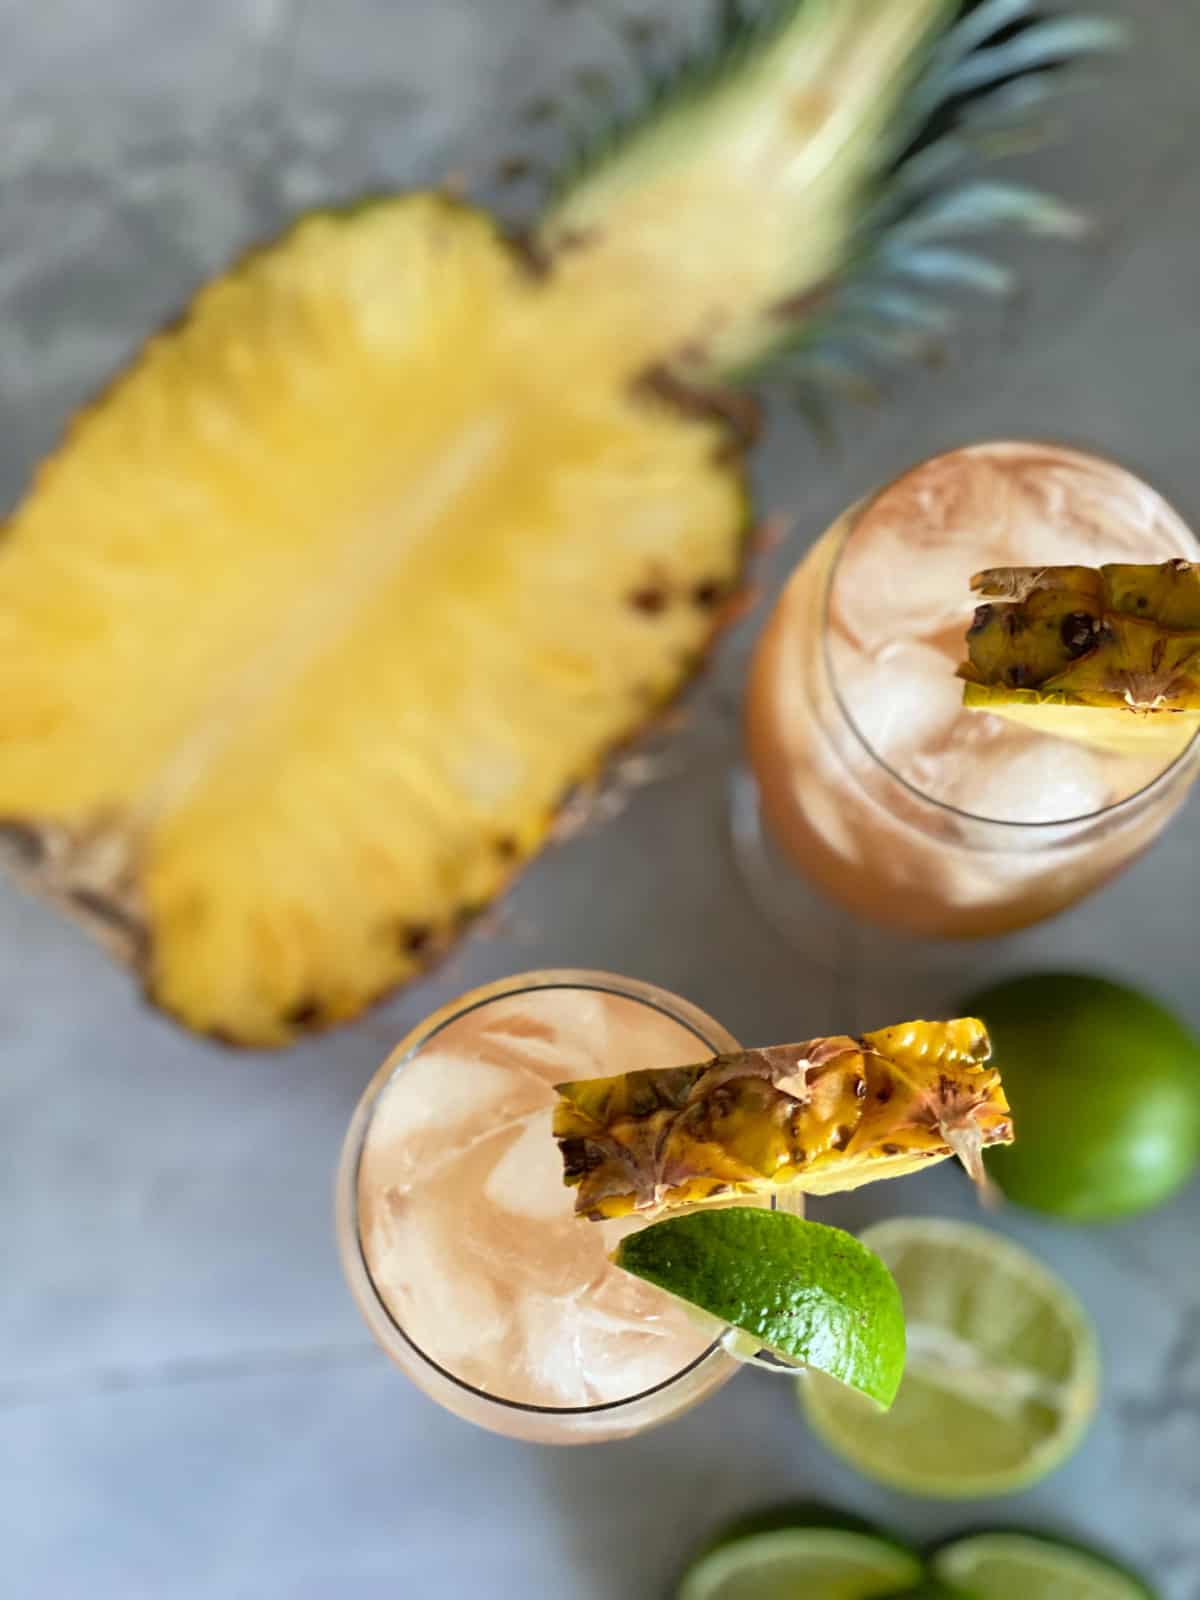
point(811, 1118)
point(322, 609)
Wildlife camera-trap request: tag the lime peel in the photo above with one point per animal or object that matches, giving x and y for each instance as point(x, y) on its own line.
point(836, 1563)
point(1102, 1080)
point(806, 1292)
point(994, 1566)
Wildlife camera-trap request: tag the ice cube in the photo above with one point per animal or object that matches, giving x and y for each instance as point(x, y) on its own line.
point(1071, 509)
point(436, 1089)
point(903, 697)
point(890, 584)
point(427, 1113)
point(583, 1353)
point(618, 1367)
point(1026, 779)
point(527, 1179)
point(559, 1034)
point(552, 1350)
point(447, 1310)
point(906, 569)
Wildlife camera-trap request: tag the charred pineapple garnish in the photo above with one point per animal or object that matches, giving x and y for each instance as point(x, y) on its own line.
point(1106, 655)
point(818, 1117)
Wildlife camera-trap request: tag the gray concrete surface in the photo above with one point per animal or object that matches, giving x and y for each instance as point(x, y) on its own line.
point(189, 1407)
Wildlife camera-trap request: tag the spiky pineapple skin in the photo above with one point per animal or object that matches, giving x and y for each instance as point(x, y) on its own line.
point(817, 1117)
point(1122, 636)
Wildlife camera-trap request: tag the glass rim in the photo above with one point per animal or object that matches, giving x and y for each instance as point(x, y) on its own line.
point(679, 1010)
point(1014, 827)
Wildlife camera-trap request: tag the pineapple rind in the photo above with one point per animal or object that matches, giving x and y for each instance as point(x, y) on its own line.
point(817, 1117)
point(1121, 636)
point(1104, 656)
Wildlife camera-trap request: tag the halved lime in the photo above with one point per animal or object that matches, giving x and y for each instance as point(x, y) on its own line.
point(929, 1589)
point(782, 1563)
point(805, 1291)
point(1002, 1373)
point(997, 1566)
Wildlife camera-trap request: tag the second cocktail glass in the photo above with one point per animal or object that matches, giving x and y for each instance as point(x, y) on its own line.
point(458, 1236)
point(870, 781)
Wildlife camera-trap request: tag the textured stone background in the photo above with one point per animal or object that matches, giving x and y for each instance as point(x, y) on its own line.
point(188, 1404)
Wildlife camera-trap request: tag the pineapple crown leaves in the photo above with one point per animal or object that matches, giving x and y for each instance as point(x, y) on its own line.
point(738, 30)
point(973, 82)
point(995, 68)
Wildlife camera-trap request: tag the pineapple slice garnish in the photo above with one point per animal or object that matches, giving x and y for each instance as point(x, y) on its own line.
point(817, 1118)
point(1108, 656)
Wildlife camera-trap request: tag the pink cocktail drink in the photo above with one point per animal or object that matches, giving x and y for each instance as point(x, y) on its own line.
point(872, 779)
point(458, 1235)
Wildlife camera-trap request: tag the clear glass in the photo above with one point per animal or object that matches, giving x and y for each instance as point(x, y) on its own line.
point(868, 778)
point(457, 1235)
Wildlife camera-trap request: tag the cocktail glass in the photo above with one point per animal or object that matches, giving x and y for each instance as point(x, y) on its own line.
point(869, 785)
point(458, 1236)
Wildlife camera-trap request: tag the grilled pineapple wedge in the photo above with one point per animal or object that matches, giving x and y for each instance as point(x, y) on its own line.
point(1109, 656)
point(322, 609)
point(819, 1117)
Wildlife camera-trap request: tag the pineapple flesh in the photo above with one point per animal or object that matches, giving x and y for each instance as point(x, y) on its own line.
point(320, 614)
point(819, 1117)
point(1108, 655)
point(324, 607)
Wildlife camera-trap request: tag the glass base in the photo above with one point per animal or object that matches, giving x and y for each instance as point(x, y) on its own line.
point(834, 940)
point(825, 933)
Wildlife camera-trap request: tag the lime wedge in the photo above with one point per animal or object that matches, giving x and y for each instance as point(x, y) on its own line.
point(784, 1563)
point(1002, 1368)
point(929, 1589)
point(806, 1292)
point(996, 1566)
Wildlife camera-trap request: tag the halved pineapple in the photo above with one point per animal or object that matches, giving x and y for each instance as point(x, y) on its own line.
point(321, 610)
point(819, 1117)
point(324, 609)
point(1106, 655)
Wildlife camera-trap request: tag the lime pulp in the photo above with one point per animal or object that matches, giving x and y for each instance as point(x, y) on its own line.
point(1002, 1370)
point(818, 1563)
point(997, 1566)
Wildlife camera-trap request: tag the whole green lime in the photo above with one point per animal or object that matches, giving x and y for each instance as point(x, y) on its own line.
point(1104, 1085)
